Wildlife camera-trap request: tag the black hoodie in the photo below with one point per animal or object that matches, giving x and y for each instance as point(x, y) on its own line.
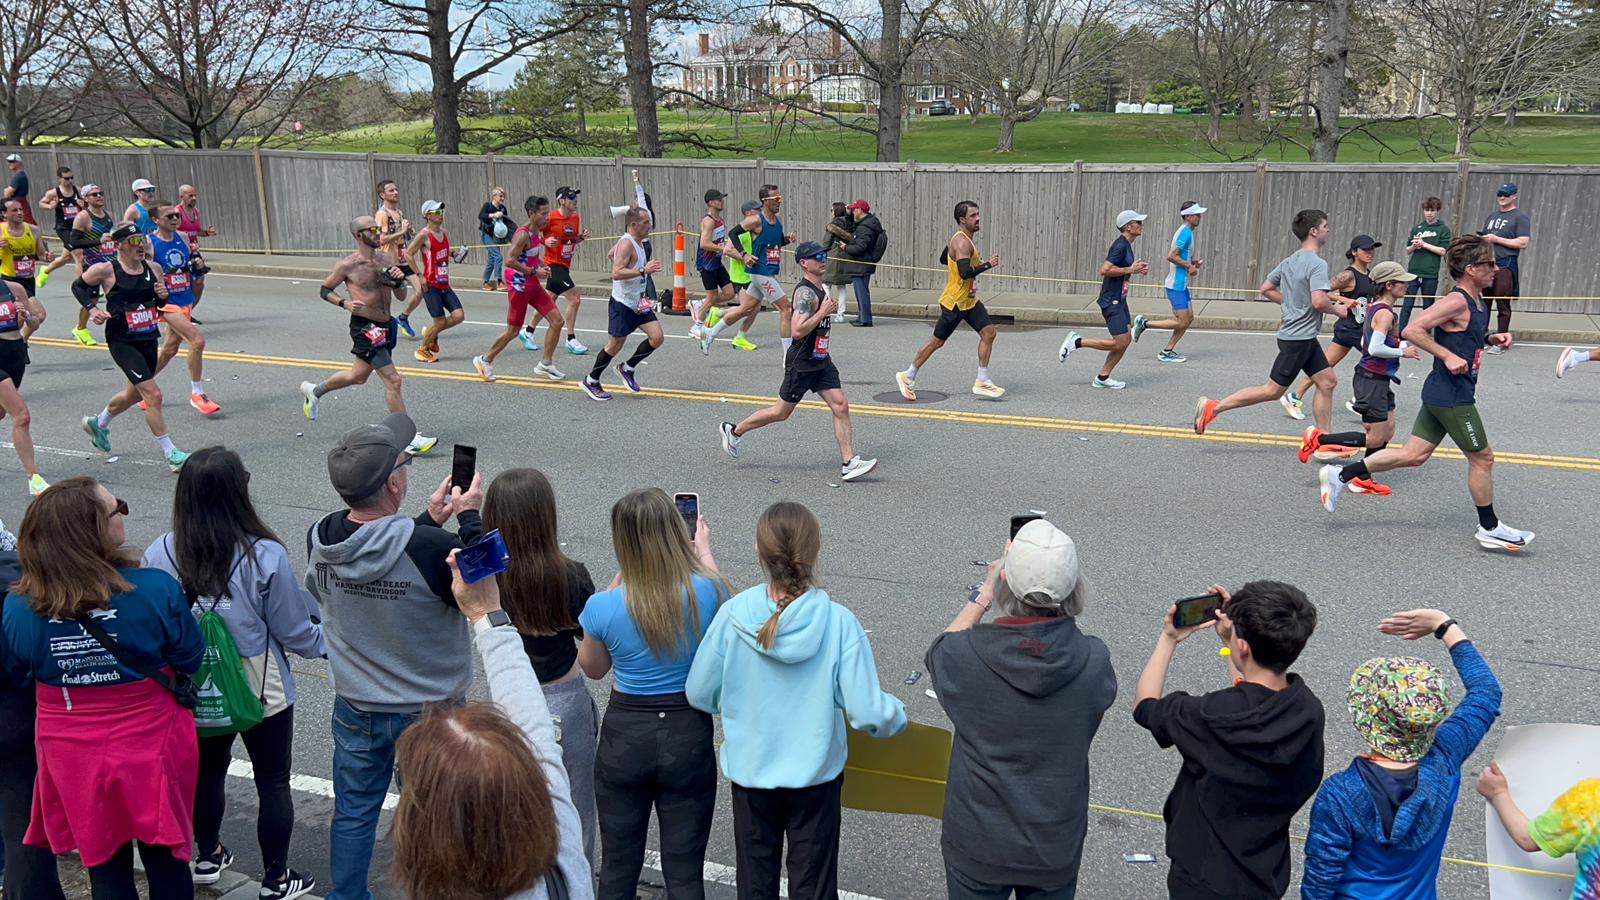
point(1252, 757)
point(1026, 697)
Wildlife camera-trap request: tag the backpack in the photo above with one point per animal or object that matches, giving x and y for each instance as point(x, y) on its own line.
point(226, 705)
point(879, 246)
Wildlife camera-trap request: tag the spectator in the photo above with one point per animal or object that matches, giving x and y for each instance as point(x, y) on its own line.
point(1510, 230)
point(868, 243)
point(544, 593)
point(109, 644)
point(1025, 694)
point(1378, 828)
point(486, 811)
point(839, 233)
point(495, 229)
point(780, 662)
point(1252, 753)
point(655, 749)
point(1426, 246)
point(1570, 825)
point(230, 562)
point(395, 641)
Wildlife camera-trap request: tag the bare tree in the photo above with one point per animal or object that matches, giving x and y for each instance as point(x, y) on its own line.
point(38, 84)
point(1229, 50)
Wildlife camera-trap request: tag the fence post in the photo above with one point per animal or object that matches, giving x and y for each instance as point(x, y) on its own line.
point(488, 161)
point(1074, 251)
point(261, 194)
point(55, 163)
point(909, 226)
point(1258, 207)
point(761, 172)
point(1458, 210)
point(372, 176)
point(150, 154)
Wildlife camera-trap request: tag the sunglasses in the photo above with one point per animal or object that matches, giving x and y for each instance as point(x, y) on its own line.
point(145, 191)
point(405, 460)
point(95, 194)
point(68, 177)
point(371, 229)
point(134, 239)
point(122, 507)
point(1504, 194)
point(171, 215)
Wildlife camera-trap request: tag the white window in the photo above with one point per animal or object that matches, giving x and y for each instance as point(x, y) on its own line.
point(939, 92)
point(791, 70)
point(924, 94)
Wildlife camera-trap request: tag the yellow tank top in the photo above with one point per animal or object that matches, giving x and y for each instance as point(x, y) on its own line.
point(958, 293)
point(23, 247)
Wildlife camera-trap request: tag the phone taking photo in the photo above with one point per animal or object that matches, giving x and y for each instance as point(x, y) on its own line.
point(463, 466)
point(688, 505)
point(1199, 610)
point(1018, 521)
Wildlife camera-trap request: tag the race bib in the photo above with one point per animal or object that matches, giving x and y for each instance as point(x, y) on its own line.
point(774, 256)
point(25, 266)
point(441, 274)
point(69, 211)
point(645, 305)
point(1477, 360)
point(177, 281)
point(376, 334)
point(141, 320)
point(821, 350)
point(567, 248)
point(8, 315)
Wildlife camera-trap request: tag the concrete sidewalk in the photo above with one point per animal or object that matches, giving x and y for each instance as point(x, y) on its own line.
point(1006, 307)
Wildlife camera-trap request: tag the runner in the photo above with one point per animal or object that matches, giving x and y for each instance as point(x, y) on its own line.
point(1183, 267)
point(17, 187)
point(737, 256)
point(429, 253)
point(767, 240)
point(18, 307)
point(629, 310)
point(563, 232)
point(134, 291)
point(373, 281)
point(1572, 357)
point(808, 368)
point(523, 289)
point(396, 231)
point(91, 245)
point(64, 200)
point(1346, 332)
point(142, 211)
point(1300, 285)
point(1454, 332)
point(191, 229)
point(960, 304)
point(178, 264)
point(1119, 264)
point(708, 262)
point(22, 252)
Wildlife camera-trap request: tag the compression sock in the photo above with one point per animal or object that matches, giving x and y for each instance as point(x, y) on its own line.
point(639, 353)
point(1487, 519)
point(1353, 471)
point(165, 441)
point(321, 389)
point(983, 373)
point(104, 419)
point(600, 363)
point(1343, 439)
point(787, 343)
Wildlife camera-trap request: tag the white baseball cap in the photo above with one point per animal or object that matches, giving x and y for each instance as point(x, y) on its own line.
point(1042, 563)
point(1128, 215)
point(1193, 209)
point(432, 205)
point(13, 158)
point(143, 184)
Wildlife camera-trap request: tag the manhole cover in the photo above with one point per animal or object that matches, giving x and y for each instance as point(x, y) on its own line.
point(923, 398)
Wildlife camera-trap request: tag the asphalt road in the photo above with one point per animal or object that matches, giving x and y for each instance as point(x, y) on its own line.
point(1157, 512)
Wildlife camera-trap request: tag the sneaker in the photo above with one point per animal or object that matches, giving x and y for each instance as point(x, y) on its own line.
point(203, 403)
point(1328, 478)
point(175, 461)
point(1333, 453)
point(309, 404)
point(696, 330)
point(1293, 406)
point(37, 485)
point(1504, 537)
point(1140, 323)
point(730, 441)
point(488, 286)
point(207, 869)
point(988, 389)
point(594, 390)
point(1110, 383)
point(1496, 349)
point(705, 342)
point(907, 385)
point(713, 316)
point(423, 354)
point(485, 370)
point(1368, 486)
point(44, 277)
point(1068, 345)
point(744, 343)
point(549, 371)
point(1569, 359)
point(1168, 356)
point(576, 347)
point(83, 336)
point(100, 436)
point(293, 885)
point(628, 381)
point(421, 444)
point(404, 322)
point(1351, 406)
point(1205, 412)
point(856, 468)
point(528, 343)
point(1308, 443)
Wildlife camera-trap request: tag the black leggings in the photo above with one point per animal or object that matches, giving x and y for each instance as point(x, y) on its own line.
point(269, 747)
point(168, 876)
point(30, 871)
point(654, 752)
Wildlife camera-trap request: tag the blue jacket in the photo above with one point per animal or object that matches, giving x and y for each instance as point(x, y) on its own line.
point(781, 719)
point(1347, 853)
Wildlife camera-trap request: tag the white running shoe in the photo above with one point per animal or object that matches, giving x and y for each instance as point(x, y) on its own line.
point(1110, 383)
point(696, 330)
point(1504, 537)
point(421, 444)
point(1351, 406)
point(1570, 359)
point(986, 389)
point(730, 441)
point(549, 371)
point(706, 340)
point(309, 405)
point(576, 347)
point(528, 343)
point(1332, 487)
point(1068, 345)
point(485, 370)
point(907, 385)
point(856, 468)
point(1293, 406)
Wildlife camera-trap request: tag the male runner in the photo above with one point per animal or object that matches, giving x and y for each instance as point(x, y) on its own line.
point(1300, 285)
point(142, 211)
point(767, 240)
point(1510, 230)
point(630, 309)
point(1184, 265)
point(1454, 332)
point(1346, 332)
point(18, 307)
point(17, 187)
point(808, 368)
point(563, 232)
point(396, 232)
point(1119, 264)
point(64, 200)
point(523, 275)
point(373, 281)
point(189, 226)
point(708, 262)
point(22, 250)
point(960, 304)
point(1572, 357)
point(178, 264)
point(134, 291)
point(92, 245)
point(737, 255)
point(429, 253)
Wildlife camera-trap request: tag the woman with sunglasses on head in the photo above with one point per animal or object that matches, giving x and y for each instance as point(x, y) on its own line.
point(109, 645)
point(230, 562)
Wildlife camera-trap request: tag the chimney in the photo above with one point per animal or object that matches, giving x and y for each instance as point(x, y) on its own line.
point(705, 44)
point(835, 44)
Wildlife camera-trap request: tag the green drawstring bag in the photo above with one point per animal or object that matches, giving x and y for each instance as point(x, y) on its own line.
point(227, 705)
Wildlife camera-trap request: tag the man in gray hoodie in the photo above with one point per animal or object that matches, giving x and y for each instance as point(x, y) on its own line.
point(395, 638)
point(1026, 694)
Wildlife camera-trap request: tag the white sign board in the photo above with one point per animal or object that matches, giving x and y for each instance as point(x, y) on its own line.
point(1540, 762)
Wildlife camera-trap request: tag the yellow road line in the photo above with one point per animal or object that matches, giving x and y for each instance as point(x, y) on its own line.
point(908, 411)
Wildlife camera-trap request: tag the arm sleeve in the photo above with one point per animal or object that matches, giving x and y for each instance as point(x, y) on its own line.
point(867, 707)
point(704, 687)
point(83, 293)
point(81, 240)
point(1327, 847)
point(734, 234)
point(967, 271)
point(291, 615)
point(1475, 714)
point(1377, 345)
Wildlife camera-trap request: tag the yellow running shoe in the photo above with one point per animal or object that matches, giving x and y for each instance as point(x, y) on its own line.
point(83, 336)
point(743, 343)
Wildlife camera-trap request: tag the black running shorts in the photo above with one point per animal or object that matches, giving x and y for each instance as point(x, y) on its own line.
point(797, 384)
point(1374, 396)
point(136, 359)
point(949, 319)
point(560, 281)
point(1295, 357)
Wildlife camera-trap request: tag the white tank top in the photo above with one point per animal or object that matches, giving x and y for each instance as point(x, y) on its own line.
point(630, 291)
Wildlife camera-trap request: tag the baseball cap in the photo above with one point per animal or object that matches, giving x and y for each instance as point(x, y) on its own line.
point(714, 194)
point(1509, 189)
point(810, 250)
point(567, 193)
point(432, 206)
point(364, 458)
point(749, 206)
point(1193, 209)
point(13, 158)
point(862, 205)
point(1362, 242)
point(1042, 565)
point(143, 184)
point(90, 189)
point(1128, 215)
point(1397, 704)
point(1389, 270)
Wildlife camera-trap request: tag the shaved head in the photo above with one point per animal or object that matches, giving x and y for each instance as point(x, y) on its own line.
point(362, 223)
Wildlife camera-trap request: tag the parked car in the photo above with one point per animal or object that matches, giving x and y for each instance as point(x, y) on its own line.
point(941, 108)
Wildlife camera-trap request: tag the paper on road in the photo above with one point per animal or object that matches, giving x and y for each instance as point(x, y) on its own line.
point(1540, 762)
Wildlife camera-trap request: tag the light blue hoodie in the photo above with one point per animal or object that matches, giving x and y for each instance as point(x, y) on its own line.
point(780, 708)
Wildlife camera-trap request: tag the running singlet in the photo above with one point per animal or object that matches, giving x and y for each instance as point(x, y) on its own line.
point(630, 291)
point(189, 226)
point(767, 247)
point(1383, 367)
point(174, 258)
point(705, 260)
point(10, 313)
point(737, 272)
point(389, 223)
point(436, 262)
point(67, 209)
point(106, 250)
point(810, 353)
point(17, 260)
point(565, 229)
point(959, 292)
point(146, 224)
point(132, 303)
point(517, 282)
point(1445, 388)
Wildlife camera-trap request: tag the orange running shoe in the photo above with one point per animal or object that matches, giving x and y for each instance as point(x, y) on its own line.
point(1308, 443)
point(1368, 486)
point(1205, 412)
point(203, 403)
point(423, 354)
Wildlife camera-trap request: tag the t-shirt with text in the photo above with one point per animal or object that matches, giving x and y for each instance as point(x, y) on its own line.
point(1513, 224)
point(1424, 264)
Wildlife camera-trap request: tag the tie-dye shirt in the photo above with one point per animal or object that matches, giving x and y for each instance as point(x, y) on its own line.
point(1572, 825)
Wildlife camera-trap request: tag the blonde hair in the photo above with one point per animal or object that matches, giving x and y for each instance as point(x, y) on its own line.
point(658, 568)
point(788, 542)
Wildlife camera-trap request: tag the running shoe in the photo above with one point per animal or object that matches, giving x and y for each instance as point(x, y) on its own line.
point(207, 869)
point(988, 389)
point(549, 371)
point(1368, 486)
point(423, 354)
point(743, 343)
point(576, 347)
point(628, 381)
point(1293, 406)
point(1140, 323)
point(1351, 406)
point(421, 444)
point(83, 336)
point(706, 340)
point(730, 441)
point(1328, 478)
point(175, 461)
point(594, 390)
point(1496, 349)
point(1068, 345)
point(1333, 453)
point(528, 343)
point(309, 404)
point(1109, 383)
point(44, 276)
point(37, 485)
point(485, 370)
point(293, 885)
point(907, 385)
point(696, 330)
point(713, 316)
point(203, 403)
point(404, 321)
point(1168, 356)
point(100, 436)
point(488, 286)
point(1308, 443)
point(1570, 359)
point(856, 468)
point(1205, 412)
point(1504, 537)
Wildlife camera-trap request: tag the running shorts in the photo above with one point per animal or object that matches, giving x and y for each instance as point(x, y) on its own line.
point(715, 279)
point(371, 341)
point(560, 281)
point(136, 359)
point(517, 303)
point(1374, 396)
point(624, 320)
point(406, 271)
point(1295, 357)
point(949, 319)
point(441, 301)
point(1347, 334)
point(28, 283)
point(764, 288)
point(797, 384)
point(1461, 423)
point(1179, 299)
point(13, 359)
point(1116, 315)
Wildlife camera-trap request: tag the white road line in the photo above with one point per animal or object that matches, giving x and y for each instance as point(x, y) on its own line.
point(81, 454)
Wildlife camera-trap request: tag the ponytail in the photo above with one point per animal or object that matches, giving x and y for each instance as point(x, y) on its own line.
point(788, 540)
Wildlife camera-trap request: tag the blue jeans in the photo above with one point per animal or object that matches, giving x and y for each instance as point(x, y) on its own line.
point(363, 762)
point(863, 297)
point(492, 269)
point(1421, 287)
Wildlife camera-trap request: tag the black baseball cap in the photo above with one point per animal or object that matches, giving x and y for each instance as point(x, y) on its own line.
point(810, 250)
point(1361, 242)
point(567, 193)
point(1509, 189)
point(363, 459)
point(714, 194)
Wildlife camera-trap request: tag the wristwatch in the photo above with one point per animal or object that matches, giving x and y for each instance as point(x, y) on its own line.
point(1443, 627)
point(494, 619)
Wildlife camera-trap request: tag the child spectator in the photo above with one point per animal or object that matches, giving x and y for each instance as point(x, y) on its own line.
point(1570, 825)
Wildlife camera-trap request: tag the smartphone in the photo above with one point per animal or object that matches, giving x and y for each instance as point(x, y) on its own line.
point(1018, 521)
point(487, 556)
point(1199, 610)
point(463, 466)
point(689, 507)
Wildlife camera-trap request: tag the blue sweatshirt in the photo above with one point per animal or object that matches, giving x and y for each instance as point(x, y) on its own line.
point(1348, 852)
point(781, 708)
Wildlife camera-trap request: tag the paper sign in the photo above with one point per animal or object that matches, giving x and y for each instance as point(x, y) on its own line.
point(902, 774)
point(1541, 762)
